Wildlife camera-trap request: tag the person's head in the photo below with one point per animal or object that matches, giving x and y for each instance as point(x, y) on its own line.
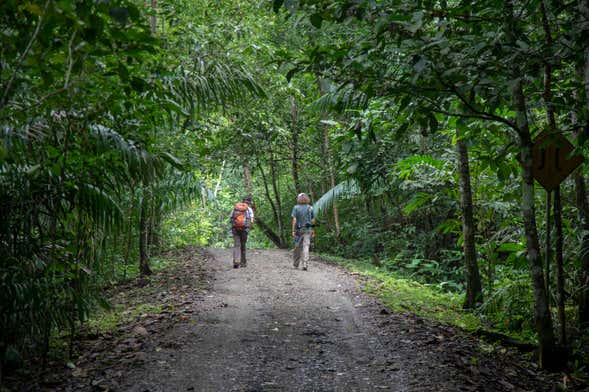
point(247, 199)
point(303, 198)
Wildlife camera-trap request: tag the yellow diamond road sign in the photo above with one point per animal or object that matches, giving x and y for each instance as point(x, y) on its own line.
point(553, 161)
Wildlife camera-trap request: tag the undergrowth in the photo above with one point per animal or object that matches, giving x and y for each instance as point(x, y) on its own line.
point(400, 294)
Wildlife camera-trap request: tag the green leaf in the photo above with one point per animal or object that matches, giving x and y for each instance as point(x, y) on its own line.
point(510, 247)
point(34, 9)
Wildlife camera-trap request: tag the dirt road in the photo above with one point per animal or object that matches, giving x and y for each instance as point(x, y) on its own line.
point(270, 327)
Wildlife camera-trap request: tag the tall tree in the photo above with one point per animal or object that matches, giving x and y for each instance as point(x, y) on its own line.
point(543, 319)
point(473, 278)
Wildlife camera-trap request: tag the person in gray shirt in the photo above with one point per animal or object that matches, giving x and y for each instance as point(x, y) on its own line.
point(303, 221)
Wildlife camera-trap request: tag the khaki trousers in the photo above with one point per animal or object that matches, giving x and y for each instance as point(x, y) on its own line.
point(302, 245)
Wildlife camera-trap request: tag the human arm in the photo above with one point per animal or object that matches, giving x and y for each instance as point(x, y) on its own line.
point(294, 226)
point(312, 223)
point(251, 212)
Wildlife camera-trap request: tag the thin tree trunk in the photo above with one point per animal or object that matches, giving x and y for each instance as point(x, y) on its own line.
point(153, 18)
point(542, 317)
point(583, 208)
point(324, 187)
point(547, 95)
point(272, 236)
point(295, 145)
point(474, 293)
point(218, 185)
point(548, 248)
point(249, 187)
point(560, 295)
point(582, 205)
point(329, 162)
point(331, 179)
point(548, 70)
point(543, 320)
point(143, 233)
point(277, 198)
point(129, 228)
point(247, 176)
point(267, 192)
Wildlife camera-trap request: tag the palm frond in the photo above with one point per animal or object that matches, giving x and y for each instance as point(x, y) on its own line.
point(208, 85)
point(341, 100)
point(406, 167)
point(140, 163)
point(345, 189)
point(99, 205)
point(177, 189)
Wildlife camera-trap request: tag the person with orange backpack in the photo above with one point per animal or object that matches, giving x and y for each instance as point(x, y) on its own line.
point(242, 219)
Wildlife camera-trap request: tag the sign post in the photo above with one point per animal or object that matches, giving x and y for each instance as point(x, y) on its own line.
point(552, 163)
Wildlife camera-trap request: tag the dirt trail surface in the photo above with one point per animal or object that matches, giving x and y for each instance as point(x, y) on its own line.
point(270, 327)
point(201, 325)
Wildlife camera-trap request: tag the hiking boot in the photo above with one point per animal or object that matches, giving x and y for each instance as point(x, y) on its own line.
point(235, 265)
point(304, 268)
point(243, 265)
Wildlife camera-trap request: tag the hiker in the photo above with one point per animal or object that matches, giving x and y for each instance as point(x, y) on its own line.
point(303, 222)
point(242, 219)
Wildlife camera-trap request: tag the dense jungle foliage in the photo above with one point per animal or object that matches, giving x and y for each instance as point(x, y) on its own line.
point(128, 128)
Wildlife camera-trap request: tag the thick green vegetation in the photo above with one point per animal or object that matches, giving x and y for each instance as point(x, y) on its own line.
point(128, 128)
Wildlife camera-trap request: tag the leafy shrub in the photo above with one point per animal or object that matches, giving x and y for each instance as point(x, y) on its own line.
point(509, 307)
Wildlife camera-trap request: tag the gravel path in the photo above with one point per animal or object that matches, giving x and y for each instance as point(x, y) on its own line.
point(270, 327)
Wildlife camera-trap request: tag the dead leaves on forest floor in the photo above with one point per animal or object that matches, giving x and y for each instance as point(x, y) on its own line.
point(143, 309)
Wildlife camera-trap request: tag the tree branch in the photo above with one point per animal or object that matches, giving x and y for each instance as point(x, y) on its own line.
point(21, 58)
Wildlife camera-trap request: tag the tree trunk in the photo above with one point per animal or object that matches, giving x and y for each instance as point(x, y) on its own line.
point(295, 145)
point(272, 236)
point(267, 193)
point(542, 317)
point(143, 233)
point(247, 177)
point(277, 198)
point(581, 191)
point(548, 245)
point(218, 185)
point(583, 208)
point(560, 295)
point(153, 18)
point(249, 187)
point(474, 293)
point(324, 185)
point(547, 95)
point(329, 163)
point(331, 179)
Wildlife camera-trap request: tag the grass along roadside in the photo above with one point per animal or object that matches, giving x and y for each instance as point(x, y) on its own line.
point(404, 295)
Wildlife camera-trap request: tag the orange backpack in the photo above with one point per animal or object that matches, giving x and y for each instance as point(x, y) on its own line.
point(240, 216)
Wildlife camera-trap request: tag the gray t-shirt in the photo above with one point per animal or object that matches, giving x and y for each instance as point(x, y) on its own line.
point(303, 214)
